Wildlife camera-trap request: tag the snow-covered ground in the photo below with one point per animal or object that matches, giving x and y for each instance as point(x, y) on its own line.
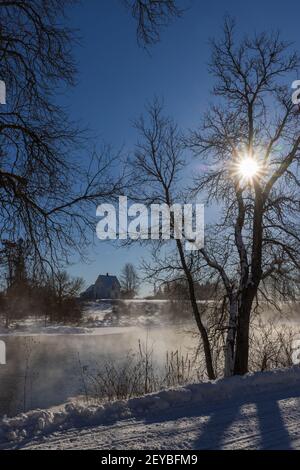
point(258, 411)
point(96, 317)
point(143, 313)
point(93, 317)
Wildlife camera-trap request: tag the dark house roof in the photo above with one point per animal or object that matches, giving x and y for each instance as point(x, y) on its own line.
point(107, 281)
point(106, 286)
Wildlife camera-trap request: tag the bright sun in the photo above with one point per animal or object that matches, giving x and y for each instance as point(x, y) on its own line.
point(248, 168)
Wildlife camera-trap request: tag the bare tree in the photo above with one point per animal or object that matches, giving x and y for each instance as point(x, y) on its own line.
point(256, 124)
point(158, 163)
point(47, 191)
point(129, 281)
point(151, 17)
point(66, 287)
point(255, 242)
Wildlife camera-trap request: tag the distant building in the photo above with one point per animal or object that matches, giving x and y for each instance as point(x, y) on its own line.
point(105, 287)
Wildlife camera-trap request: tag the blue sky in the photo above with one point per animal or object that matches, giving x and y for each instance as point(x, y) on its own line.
point(116, 77)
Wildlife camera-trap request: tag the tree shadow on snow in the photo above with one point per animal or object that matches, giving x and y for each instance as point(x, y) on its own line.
point(262, 427)
point(253, 422)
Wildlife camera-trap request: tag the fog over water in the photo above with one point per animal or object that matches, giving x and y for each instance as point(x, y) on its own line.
point(44, 370)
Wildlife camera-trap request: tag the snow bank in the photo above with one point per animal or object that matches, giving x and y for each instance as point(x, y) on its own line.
point(38, 422)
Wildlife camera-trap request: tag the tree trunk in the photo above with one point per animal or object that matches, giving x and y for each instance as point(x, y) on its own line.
point(242, 339)
point(249, 292)
point(231, 337)
point(201, 327)
point(205, 340)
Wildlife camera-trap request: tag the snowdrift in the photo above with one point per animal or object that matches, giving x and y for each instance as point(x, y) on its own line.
point(38, 422)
